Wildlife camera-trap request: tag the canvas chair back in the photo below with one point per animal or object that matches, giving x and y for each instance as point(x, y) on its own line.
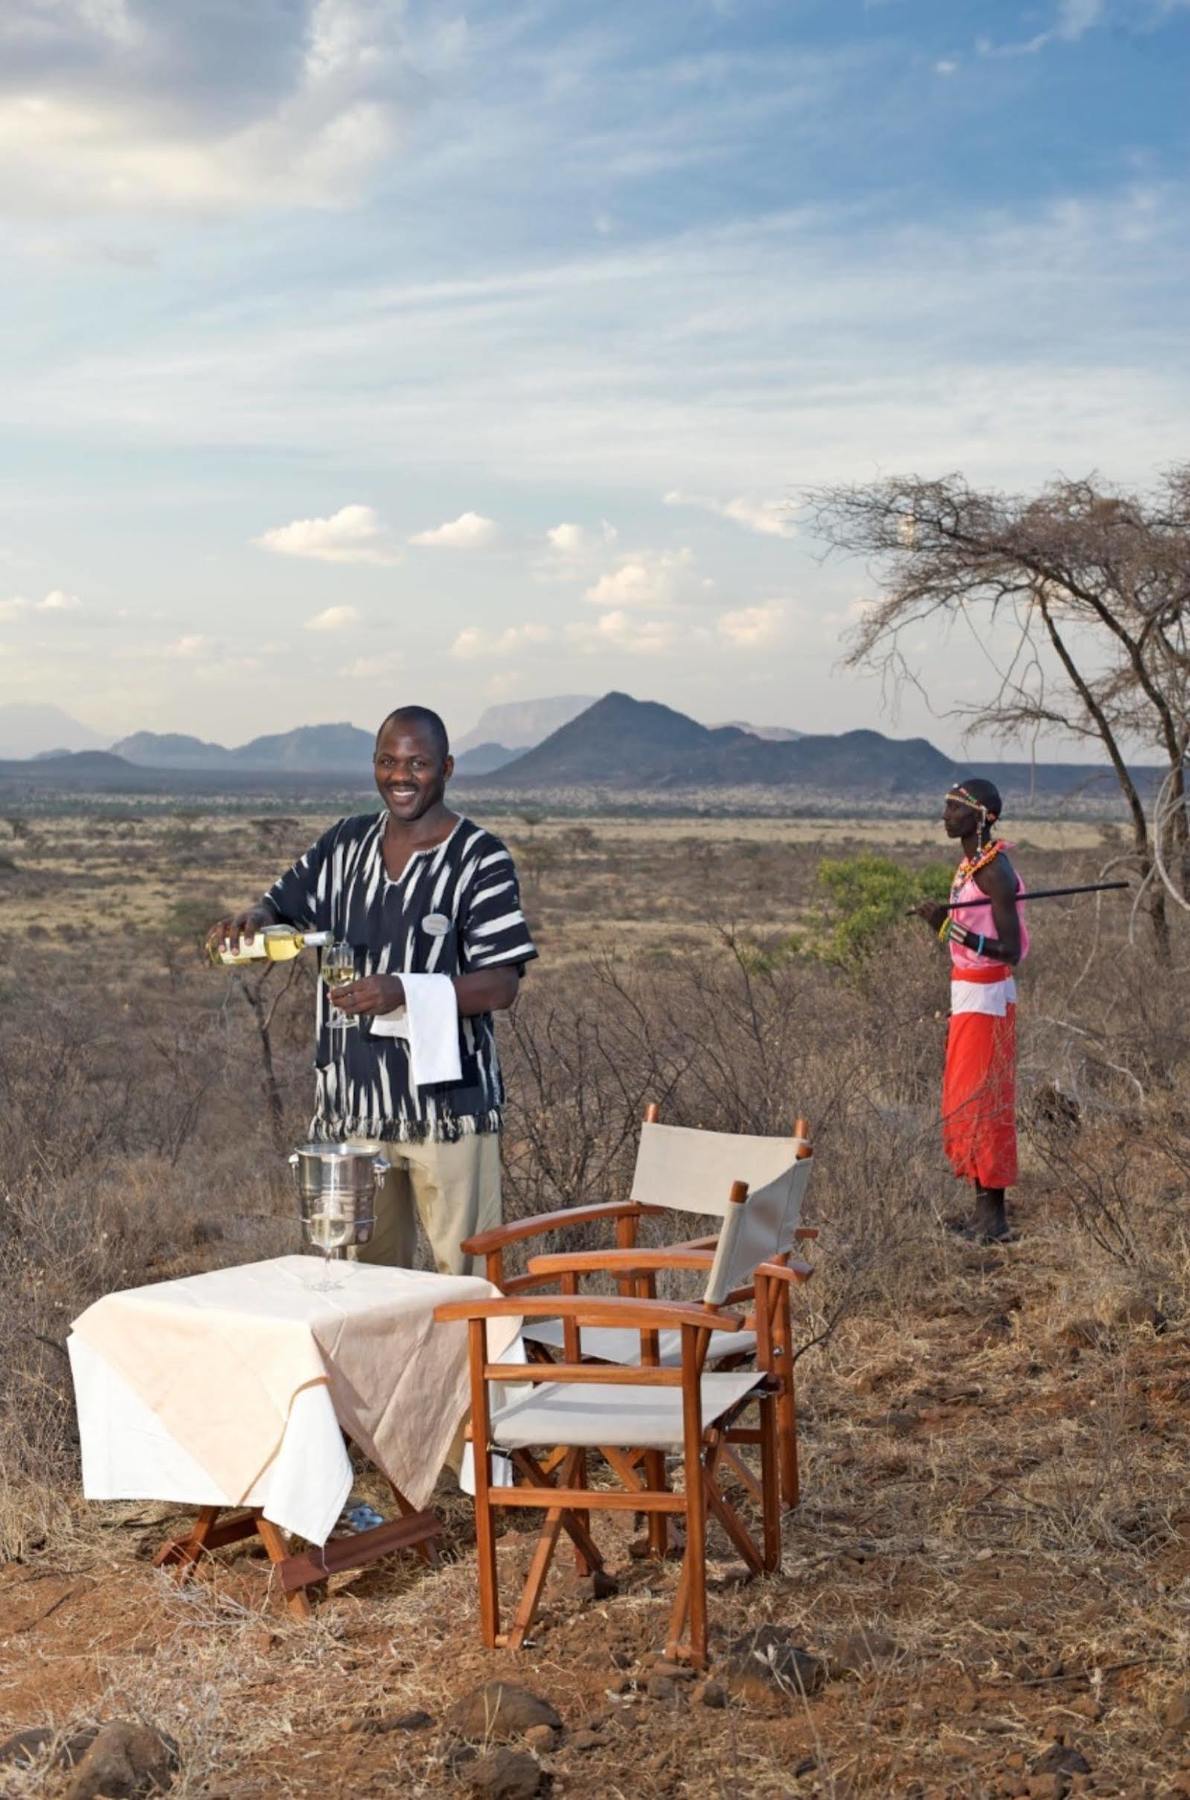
point(691, 1171)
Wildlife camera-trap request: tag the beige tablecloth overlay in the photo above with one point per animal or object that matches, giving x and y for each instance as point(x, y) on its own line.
point(220, 1357)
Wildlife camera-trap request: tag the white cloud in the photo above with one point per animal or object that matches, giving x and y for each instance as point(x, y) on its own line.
point(946, 65)
point(751, 626)
point(575, 541)
point(379, 665)
point(354, 534)
point(768, 517)
point(473, 643)
point(109, 108)
point(643, 579)
point(624, 632)
point(335, 618)
point(470, 531)
point(190, 648)
point(1074, 18)
point(56, 601)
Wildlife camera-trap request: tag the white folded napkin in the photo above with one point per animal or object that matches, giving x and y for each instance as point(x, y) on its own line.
point(429, 1019)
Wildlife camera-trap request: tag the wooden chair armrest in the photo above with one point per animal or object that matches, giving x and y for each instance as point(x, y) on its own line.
point(619, 1262)
point(794, 1271)
point(518, 1229)
point(594, 1309)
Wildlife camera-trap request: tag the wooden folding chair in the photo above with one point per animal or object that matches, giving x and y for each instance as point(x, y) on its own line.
point(690, 1171)
point(624, 1216)
point(579, 1406)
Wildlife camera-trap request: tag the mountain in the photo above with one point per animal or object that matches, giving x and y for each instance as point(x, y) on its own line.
point(484, 759)
point(775, 734)
point(313, 749)
point(343, 748)
point(622, 742)
point(172, 750)
point(28, 730)
point(522, 723)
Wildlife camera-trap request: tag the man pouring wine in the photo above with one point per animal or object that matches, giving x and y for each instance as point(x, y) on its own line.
point(415, 891)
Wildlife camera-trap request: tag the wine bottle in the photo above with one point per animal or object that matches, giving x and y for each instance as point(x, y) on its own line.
point(276, 943)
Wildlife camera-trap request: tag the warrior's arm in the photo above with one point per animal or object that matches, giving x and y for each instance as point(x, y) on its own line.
point(998, 882)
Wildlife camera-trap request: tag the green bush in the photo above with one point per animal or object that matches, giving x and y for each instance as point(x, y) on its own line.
point(866, 897)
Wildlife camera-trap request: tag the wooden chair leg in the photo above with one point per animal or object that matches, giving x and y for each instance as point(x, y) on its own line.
point(677, 1613)
point(743, 1474)
point(578, 1478)
point(273, 1539)
point(623, 1464)
point(657, 1528)
point(696, 1561)
point(572, 1523)
point(543, 1553)
point(786, 1402)
point(770, 1496)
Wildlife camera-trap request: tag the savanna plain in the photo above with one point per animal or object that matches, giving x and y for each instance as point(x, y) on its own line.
point(990, 1563)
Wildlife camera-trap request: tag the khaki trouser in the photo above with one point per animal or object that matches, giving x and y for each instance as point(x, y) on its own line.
point(456, 1189)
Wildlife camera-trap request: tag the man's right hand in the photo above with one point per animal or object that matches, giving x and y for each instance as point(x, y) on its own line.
point(244, 924)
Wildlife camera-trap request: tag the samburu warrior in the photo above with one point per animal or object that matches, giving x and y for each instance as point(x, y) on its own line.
point(986, 941)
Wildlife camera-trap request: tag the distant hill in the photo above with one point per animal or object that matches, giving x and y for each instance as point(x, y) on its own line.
point(622, 742)
point(172, 750)
point(314, 749)
point(522, 723)
point(776, 734)
point(34, 730)
point(484, 759)
point(317, 747)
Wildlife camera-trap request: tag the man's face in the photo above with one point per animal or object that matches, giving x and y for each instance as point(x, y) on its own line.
point(411, 775)
point(959, 820)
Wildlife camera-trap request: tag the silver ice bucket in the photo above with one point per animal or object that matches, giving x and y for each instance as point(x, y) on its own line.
point(336, 1186)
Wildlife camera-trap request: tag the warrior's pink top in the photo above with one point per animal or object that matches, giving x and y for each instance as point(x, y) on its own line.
point(979, 919)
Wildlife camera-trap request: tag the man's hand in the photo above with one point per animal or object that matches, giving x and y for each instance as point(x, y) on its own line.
point(243, 924)
point(932, 911)
point(371, 994)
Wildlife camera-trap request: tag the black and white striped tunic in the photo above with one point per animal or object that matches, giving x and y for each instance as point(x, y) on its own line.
point(467, 888)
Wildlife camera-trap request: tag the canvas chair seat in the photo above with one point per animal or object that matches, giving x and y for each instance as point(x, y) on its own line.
point(585, 1415)
point(614, 1344)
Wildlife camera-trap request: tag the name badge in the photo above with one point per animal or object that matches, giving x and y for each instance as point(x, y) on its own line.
point(435, 924)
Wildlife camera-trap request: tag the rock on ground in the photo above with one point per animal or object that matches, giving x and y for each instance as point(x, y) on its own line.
point(124, 1761)
point(505, 1775)
point(497, 1711)
point(766, 1661)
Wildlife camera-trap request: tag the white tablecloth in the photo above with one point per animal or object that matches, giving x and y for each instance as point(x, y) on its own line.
point(230, 1388)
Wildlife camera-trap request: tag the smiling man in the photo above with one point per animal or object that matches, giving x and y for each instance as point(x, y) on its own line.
point(416, 889)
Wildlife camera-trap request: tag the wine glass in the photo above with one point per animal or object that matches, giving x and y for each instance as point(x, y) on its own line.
point(338, 968)
point(329, 1231)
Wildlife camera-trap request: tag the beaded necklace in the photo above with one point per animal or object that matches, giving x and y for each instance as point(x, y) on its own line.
point(971, 865)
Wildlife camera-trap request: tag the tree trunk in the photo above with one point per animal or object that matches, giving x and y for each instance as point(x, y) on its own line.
point(1140, 824)
point(253, 993)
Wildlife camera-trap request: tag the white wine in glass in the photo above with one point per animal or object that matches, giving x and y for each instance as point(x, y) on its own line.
point(329, 1232)
point(338, 968)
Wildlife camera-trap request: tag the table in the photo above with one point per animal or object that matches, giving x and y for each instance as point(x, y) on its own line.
point(241, 1388)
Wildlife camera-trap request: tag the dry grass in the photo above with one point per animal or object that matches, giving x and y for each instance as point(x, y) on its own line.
point(994, 1441)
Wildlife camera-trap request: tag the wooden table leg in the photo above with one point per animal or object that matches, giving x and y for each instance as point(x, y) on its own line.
point(273, 1539)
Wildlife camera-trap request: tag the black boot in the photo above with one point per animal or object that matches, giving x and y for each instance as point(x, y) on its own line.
point(991, 1223)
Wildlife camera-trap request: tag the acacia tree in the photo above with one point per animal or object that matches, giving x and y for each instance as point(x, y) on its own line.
point(1095, 583)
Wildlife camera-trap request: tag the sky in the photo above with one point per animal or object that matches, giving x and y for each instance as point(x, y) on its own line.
point(356, 352)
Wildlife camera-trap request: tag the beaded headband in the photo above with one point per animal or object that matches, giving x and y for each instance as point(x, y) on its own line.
point(961, 793)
